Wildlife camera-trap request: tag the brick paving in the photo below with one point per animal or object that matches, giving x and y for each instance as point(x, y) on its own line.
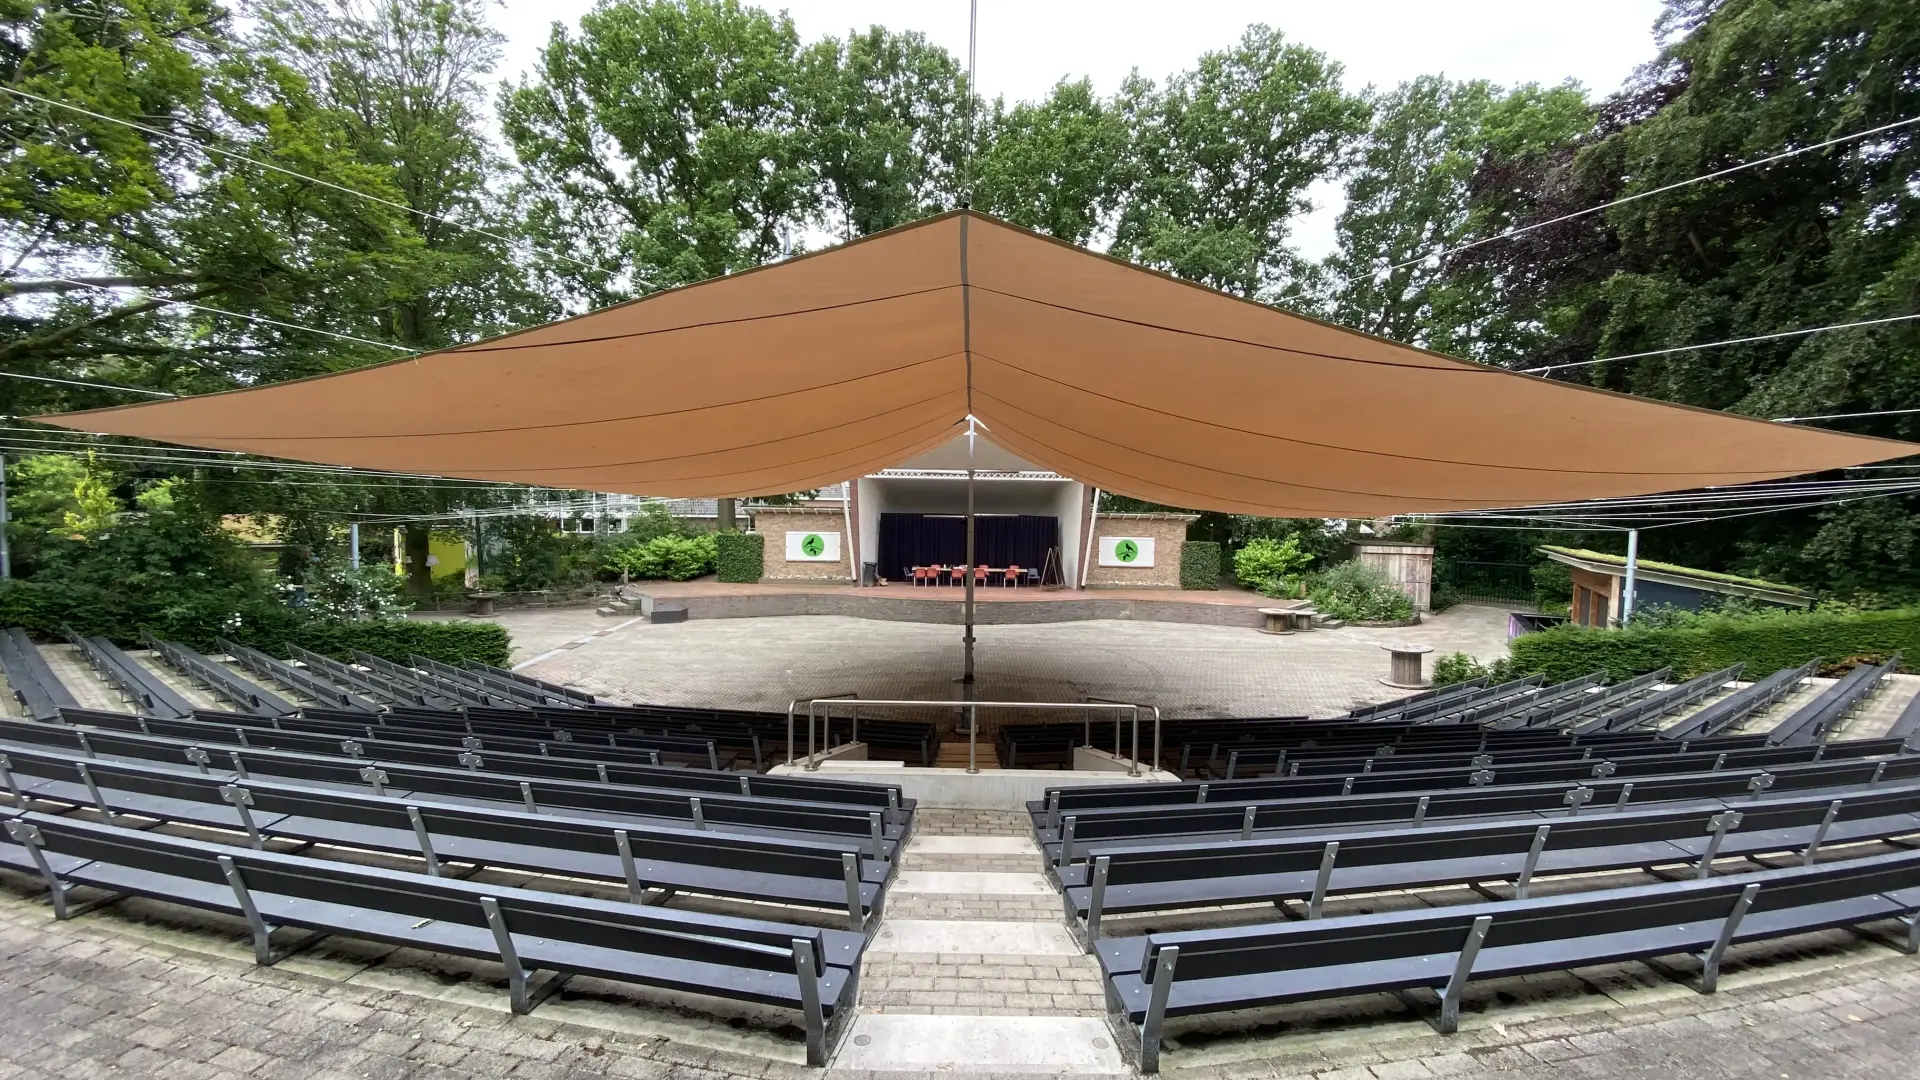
point(1186, 670)
point(86, 1002)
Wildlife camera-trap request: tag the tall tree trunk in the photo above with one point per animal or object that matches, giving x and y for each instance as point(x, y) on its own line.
point(419, 574)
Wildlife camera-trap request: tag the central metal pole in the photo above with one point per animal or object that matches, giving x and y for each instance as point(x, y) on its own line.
point(6, 557)
point(1633, 570)
point(968, 639)
point(353, 545)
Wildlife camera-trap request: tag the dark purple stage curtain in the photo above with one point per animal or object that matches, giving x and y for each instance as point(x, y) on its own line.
point(999, 540)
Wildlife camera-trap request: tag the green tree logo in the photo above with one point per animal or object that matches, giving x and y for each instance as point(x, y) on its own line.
point(812, 545)
point(1126, 551)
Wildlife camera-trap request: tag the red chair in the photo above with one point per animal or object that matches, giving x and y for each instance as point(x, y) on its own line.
point(921, 574)
point(979, 575)
point(1012, 578)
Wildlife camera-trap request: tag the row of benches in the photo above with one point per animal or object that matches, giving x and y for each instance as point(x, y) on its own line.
point(811, 970)
point(665, 796)
point(40, 693)
point(1170, 974)
point(1241, 817)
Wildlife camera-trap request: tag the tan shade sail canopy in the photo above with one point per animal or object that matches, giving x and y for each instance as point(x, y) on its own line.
point(821, 368)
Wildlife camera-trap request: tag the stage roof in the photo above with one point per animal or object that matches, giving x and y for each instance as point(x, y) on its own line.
point(809, 371)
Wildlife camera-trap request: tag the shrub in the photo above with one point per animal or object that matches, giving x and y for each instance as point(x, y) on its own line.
point(1459, 667)
point(1356, 592)
point(447, 641)
point(198, 620)
point(1441, 597)
point(1199, 564)
point(1766, 642)
point(1456, 668)
point(1266, 565)
point(670, 558)
point(740, 557)
point(1552, 585)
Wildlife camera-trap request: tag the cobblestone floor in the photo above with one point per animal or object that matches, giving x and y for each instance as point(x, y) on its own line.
point(83, 1002)
point(1186, 670)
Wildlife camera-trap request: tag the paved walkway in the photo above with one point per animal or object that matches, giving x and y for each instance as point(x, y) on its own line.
point(87, 1000)
point(1186, 670)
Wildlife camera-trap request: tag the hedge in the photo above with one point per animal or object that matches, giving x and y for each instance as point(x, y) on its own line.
point(1766, 643)
point(1199, 564)
point(45, 612)
point(742, 556)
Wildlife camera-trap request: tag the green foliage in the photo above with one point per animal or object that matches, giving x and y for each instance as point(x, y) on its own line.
point(336, 590)
point(1552, 586)
point(670, 558)
point(446, 640)
point(1353, 591)
point(1456, 668)
point(1223, 157)
point(1459, 667)
point(1441, 596)
point(1265, 564)
point(740, 557)
point(527, 553)
point(1199, 564)
point(1766, 642)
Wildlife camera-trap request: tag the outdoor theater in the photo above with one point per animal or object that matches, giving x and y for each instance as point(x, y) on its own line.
point(846, 875)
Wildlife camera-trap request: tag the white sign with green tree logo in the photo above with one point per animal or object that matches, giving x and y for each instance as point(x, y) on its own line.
point(1126, 551)
point(813, 547)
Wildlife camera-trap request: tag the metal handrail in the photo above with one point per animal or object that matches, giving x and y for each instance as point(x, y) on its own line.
point(972, 708)
point(1136, 731)
point(794, 704)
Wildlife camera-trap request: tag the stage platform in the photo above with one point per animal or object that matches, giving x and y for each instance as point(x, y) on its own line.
point(993, 604)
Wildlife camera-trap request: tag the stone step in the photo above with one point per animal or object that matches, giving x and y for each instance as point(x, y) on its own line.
point(971, 883)
point(973, 937)
point(980, 1044)
point(1001, 854)
point(962, 894)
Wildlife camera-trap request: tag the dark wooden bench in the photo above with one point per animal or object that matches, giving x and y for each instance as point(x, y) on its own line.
point(1129, 878)
point(807, 969)
point(1212, 823)
point(1741, 704)
point(621, 797)
point(1812, 721)
point(40, 693)
point(1163, 975)
point(809, 873)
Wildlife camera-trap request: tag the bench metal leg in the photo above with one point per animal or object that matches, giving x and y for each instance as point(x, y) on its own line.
point(1324, 879)
point(1626, 792)
point(856, 913)
point(1246, 822)
point(1912, 943)
point(1097, 900)
point(1156, 1017)
point(636, 889)
point(877, 837)
point(13, 785)
point(520, 998)
point(1449, 1021)
point(1066, 841)
point(1710, 960)
point(264, 953)
point(242, 801)
point(1533, 862)
point(425, 841)
point(28, 836)
point(1420, 810)
point(1720, 824)
point(93, 789)
point(1820, 834)
point(808, 973)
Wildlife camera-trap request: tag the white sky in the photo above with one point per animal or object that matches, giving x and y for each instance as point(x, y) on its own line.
point(1025, 46)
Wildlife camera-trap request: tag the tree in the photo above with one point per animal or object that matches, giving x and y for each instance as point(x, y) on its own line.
point(1224, 155)
point(882, 117)
point(662, 139)
point(1059, 166)
point(1408, 199)
point(1816, 239)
